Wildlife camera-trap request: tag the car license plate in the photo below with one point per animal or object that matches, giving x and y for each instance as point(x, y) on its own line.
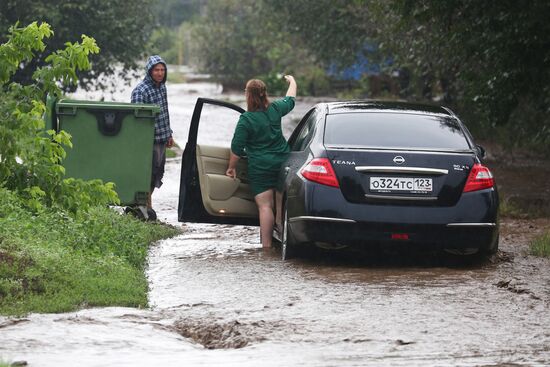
point(403, 184)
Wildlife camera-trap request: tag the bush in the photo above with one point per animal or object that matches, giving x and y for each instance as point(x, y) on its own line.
point(61, 247)
point(54, 262)
point(314, 82)
point(30, 158)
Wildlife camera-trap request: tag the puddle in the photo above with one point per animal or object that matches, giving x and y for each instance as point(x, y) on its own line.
point(217, 299)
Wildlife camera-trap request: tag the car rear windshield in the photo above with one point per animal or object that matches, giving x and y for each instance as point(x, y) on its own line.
point(394, 130)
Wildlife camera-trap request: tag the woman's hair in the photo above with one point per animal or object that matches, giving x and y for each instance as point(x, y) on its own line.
point(256, 96)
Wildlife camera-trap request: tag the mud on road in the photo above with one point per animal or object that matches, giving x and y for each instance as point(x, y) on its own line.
point(217, 299)
point(403, 308)
point(330, 312)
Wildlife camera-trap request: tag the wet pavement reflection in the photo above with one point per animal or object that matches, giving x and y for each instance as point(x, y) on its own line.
point(217, 299)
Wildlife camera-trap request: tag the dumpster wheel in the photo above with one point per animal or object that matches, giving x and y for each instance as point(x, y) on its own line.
point(141, 212)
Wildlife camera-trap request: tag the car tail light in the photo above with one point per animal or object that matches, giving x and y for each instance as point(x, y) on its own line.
point(399, 236)
point(320, 170)
point(480, 178)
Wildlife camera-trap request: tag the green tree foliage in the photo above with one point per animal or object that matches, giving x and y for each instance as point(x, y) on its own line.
point(171, 13)
point(120, 27)
point(168, 43)
point(171, 38)
point(238, 40)
point(29, 157)
point(490, 59)
point(335, 31)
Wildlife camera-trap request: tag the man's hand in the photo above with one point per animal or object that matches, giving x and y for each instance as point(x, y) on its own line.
point(170, 142)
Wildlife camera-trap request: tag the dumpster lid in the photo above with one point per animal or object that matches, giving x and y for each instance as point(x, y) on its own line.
point(75, 103)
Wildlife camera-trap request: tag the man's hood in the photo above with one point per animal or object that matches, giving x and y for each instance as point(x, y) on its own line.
point(151, 62)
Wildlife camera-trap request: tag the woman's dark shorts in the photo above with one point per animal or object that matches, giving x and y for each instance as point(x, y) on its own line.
point(159, 160)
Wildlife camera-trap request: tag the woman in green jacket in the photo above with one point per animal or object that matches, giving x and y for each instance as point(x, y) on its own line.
point(259, 136)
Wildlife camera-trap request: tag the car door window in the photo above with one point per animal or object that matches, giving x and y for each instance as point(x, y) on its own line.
point(217, 125)
point(301, 137)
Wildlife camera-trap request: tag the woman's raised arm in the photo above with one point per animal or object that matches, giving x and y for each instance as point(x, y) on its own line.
point(292, 87)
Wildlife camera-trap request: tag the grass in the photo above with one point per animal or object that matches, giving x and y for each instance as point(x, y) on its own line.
point(523, 208)
point(541, 245)
point(54, 262)
point(510, 209)
point(171, 152)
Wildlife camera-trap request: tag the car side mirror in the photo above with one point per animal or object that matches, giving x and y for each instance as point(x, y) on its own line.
point(481, 151)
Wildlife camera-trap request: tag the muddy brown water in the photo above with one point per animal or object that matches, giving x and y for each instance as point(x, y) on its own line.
point(217, 299)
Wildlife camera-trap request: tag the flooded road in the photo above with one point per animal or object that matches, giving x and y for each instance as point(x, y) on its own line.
point(217, 299)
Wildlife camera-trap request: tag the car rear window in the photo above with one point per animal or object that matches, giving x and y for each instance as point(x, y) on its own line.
point(394, 130)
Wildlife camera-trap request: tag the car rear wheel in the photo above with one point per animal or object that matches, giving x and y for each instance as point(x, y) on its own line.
point(288, 249)
point(492, 248)
point(484, 250)
point(469, 251)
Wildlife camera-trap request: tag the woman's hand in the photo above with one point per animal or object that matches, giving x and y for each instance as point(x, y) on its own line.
point(292, 87)
point(231, 172)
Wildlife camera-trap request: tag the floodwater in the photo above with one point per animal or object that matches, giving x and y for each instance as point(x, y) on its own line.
point(217, 299)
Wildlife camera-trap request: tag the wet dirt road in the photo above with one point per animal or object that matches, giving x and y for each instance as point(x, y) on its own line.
point(217, 299)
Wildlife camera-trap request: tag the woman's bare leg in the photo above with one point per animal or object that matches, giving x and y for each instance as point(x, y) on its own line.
point(264, 201)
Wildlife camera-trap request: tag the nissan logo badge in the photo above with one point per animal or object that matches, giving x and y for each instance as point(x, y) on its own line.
point(398, 160)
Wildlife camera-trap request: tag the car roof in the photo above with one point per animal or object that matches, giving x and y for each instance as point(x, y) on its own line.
point(385, 106)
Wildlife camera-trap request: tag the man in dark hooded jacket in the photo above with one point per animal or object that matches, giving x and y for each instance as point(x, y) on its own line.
point(152, 90)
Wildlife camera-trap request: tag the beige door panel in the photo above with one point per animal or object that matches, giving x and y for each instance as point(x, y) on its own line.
point(221, 187)
point(222, 195)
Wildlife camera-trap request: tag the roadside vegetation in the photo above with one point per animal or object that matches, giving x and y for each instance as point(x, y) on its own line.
point(541, 245)
point(61, 247)
point(52, 261)
point(173, 152)
point(509, 209)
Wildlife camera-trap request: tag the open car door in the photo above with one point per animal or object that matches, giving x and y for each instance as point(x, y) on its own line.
point(207, 195)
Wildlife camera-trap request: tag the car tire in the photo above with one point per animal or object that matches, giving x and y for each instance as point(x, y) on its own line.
point(288, 245)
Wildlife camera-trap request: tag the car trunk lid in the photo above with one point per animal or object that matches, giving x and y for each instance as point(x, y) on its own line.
point(400, 177)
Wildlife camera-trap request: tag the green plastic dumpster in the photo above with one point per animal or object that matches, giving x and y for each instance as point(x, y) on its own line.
point(111, 141)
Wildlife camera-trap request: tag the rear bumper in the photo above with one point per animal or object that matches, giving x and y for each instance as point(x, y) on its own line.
point(310, 229)
point(325, 216)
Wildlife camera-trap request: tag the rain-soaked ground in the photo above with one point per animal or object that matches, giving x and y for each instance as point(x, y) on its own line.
point(217, 299)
